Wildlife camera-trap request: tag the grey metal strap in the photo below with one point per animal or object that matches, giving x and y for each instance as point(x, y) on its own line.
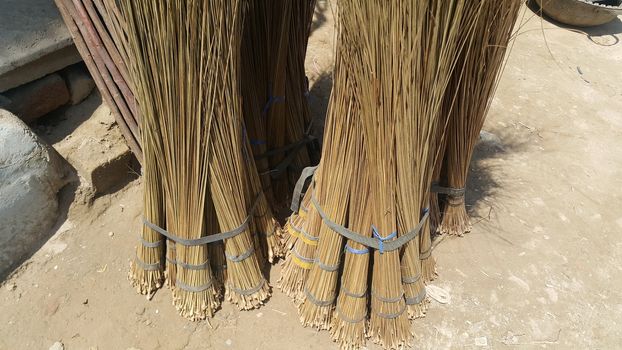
point(417, 299)
point(369, 241)
point(297, 195)
point(147, 267)
point(195, 289)
point(351, 294)
point(346, 318)
point(294, 227)
point(328, 268)
point(316, 301)
point(248, 291)
point(452, 192)
point(148, 244)
point(411, 279)
point(198, 267)
point(207, 239)
point(241, 256)
point(392, 316)
point(303, 258)
point(388, 300)
point(308, 236)
point(426, 254)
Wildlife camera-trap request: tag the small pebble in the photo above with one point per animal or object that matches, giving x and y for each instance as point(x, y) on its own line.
point(57, 346)
point(157, 311)
point(148, 322)
point(228, 342)
point(55, 267)
point(110, 234)
point(260, 314)
point(11, 287)
point(86, 301)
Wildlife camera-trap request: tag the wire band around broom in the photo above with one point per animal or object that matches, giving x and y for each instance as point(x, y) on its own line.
point(241, 257)
point(207, 239)
point(146, 266)
point(247, 292)
point(148, 244)
point(347, 319)
point(417, 299)
point(450, 191)
point(317, 301)
point(300, 184)
point(392, 316)
point(352, 294)
point(369, 242)
point(356, 251)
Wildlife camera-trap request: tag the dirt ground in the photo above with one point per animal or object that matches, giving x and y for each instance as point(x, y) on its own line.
point(541, 269)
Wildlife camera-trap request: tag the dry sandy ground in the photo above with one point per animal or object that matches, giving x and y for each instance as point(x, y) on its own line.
point(541, 269)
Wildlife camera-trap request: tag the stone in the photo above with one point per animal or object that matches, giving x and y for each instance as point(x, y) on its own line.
point(97, 150)
point(57, 346)
point(31, 174)
point(79, 82)
point(34, 42)
point(490, 140)
point(38, 98)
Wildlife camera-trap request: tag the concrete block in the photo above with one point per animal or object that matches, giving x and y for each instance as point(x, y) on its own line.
point(96, 149)
point(79, 82)
point(38, 98)
point(31, 174)
point(34, 42)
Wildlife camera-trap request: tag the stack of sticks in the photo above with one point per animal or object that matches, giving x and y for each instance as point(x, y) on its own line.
point(359, 244)
point(98, 31)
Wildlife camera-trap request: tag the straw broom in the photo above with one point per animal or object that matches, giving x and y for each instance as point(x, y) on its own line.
point(188, 54)
point(298, 115)
point(481, 68)
point(147, 271)
point(229, 172)
point(300, 259)
point(349, 322)
point(364, 25)
point(377, 70)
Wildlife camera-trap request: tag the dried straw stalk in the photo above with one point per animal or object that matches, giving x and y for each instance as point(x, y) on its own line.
point(475, 83)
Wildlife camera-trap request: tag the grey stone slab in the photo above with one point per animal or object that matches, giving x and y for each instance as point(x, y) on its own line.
point(33, 41)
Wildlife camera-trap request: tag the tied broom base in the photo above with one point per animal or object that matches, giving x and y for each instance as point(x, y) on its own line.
point(250, 301)
point(435, 213)
point(292, 278)
point(350, 333)
point(390, 333)
point(145, 281)
point(196, 306)
point(318, 317)
point(456, 220)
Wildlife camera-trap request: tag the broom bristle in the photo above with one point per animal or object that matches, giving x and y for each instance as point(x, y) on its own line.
point(473, 85)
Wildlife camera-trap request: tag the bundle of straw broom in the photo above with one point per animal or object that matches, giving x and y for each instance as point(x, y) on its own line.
point(393, 62)
point(274, 90)
point(469, 96)
point(199, 176)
